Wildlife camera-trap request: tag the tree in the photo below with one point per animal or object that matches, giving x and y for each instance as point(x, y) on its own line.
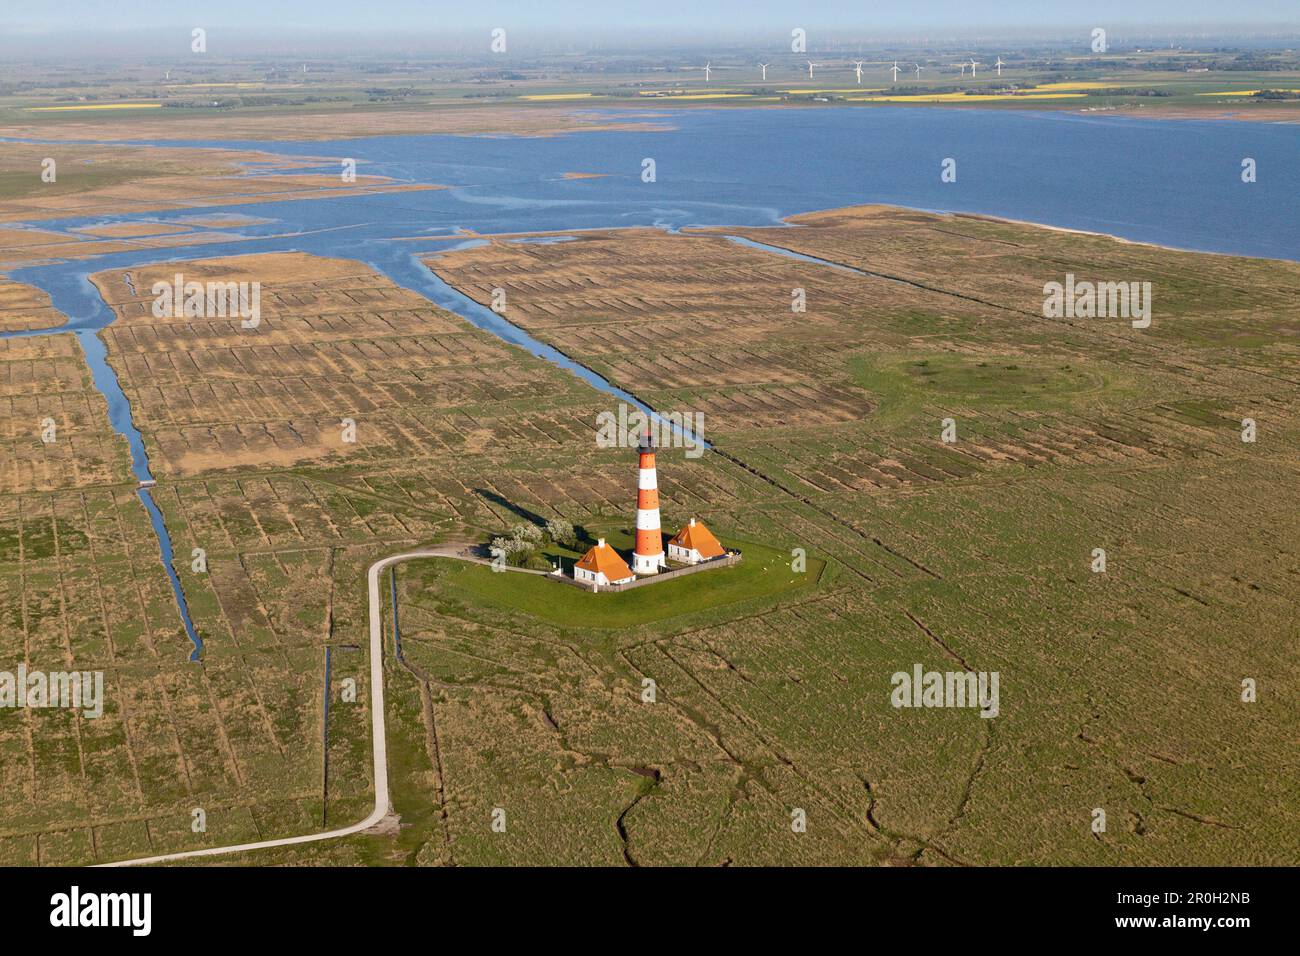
point(528, 532)
point(561, 532)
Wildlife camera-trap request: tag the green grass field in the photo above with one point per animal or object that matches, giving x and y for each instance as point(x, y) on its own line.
point(763, 573)
point(902, 385)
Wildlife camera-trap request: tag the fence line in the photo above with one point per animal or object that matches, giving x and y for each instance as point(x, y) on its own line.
point(726, 561)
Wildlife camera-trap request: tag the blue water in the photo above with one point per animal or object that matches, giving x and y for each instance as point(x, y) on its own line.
point(1171, 182)
point(119, 416)
point(791, 254)
point(1174, 182)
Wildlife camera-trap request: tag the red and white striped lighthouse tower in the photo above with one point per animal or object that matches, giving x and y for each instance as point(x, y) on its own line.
point(648, 556)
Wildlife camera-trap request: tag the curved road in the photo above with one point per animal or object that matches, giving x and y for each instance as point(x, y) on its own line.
point(380, 746)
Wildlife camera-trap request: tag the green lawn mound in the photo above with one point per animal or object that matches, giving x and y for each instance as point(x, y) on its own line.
point(902, 384)
point(763, 573)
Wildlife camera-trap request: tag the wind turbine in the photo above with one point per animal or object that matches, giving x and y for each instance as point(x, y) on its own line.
point(764, 67)
point(858, 70)
point(972, 69)
point(963, 68)
point(999, 65)
point(918, 71)
point(707, 70)
point(810, 69)
point(895, 69)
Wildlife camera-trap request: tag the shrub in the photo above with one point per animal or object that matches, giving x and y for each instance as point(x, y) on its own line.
point(516, 551)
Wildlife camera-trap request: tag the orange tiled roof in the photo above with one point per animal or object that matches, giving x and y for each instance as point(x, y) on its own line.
point(696, 537)
point(603, 559)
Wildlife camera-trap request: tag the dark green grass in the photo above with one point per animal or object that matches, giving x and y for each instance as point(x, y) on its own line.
point(901, 384)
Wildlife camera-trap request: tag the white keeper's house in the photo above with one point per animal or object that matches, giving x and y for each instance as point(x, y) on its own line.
point(693, 544)
point(602, 566)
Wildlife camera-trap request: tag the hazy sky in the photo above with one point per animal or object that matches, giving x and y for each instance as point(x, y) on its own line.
point(627, 20)
point(432, 15)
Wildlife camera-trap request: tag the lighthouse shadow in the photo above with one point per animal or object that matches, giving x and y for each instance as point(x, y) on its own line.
point(518, 510)
point(584, 539)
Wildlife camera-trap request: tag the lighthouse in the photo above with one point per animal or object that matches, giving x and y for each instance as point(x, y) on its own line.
point(648, 557)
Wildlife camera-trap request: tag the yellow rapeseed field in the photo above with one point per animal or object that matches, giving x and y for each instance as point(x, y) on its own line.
point(95, 106)
point(965, 97)
point(558, 96)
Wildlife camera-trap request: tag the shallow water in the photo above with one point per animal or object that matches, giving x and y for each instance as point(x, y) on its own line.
point(119, 416)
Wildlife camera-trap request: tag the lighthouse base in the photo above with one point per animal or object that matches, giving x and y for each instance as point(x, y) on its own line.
point(648, 563)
